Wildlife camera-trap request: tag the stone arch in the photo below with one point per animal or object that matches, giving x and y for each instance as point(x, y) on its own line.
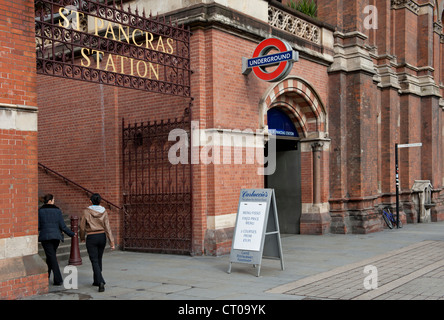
point(300, 101)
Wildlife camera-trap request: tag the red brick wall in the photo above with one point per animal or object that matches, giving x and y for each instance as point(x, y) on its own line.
point(18, 187)
point(89, 116)
point(18, 156)
point(389, 135)
point(78, 139)
point(18, 146)
point(17, 70)
point(405, 117)
point(198, 112)
point(23, 287)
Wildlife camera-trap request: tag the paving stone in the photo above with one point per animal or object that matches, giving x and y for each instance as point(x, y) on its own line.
point(316, 268)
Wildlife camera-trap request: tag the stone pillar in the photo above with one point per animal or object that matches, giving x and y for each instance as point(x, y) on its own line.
point(317, 148)
point(315, 218)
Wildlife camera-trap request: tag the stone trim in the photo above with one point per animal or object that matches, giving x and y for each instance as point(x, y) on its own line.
point(18, 117)
point(221, 221)
point(405, 4)
point(18, 246)
point(354, 57)
point(19, 267)
point(300, 28)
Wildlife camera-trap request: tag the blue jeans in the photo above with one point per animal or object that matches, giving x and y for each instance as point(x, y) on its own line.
point(95, 245)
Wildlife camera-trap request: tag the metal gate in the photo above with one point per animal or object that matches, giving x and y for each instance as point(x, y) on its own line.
point(157, 194)
point(74, 36)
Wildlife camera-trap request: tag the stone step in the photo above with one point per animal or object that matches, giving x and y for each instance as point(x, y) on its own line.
point(64, 250)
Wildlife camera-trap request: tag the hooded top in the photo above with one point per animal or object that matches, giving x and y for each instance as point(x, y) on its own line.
point(95, 220)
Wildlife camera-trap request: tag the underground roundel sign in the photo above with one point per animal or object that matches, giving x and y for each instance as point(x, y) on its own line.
point(283, 60)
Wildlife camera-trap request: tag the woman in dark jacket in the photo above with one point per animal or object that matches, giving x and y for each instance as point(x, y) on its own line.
point(51, 225)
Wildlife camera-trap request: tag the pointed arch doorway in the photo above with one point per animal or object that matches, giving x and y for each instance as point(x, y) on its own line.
point(286, 179)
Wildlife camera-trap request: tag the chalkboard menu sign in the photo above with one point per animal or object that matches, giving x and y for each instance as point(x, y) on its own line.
point(256, 234)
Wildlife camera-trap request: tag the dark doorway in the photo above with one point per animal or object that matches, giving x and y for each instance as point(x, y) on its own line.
point(286, 180)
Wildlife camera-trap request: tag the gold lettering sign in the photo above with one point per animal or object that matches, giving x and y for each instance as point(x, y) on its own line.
point(118, 32)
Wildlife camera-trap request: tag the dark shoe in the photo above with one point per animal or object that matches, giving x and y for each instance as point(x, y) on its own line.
point(101, 287)
point(58, 283)
point(96, 284)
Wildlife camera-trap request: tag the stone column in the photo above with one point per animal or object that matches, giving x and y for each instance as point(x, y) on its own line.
point(315, 218)
point(317, 148)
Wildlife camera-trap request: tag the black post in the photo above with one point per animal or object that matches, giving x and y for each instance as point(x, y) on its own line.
point(397, 185)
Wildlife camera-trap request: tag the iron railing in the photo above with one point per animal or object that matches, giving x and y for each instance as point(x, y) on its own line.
point(69, 181)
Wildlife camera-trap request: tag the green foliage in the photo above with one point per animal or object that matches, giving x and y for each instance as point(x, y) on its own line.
point(308, 7)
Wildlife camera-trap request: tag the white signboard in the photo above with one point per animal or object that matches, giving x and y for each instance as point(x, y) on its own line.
point(256, 233)
point(250, 223)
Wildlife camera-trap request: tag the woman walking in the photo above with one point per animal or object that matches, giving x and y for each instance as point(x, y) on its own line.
point(51, 225)
point(95, 224)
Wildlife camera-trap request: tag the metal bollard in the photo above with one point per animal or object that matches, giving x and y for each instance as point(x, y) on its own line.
point(74, 258)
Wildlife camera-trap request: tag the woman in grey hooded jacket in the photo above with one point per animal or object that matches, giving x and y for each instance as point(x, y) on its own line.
point(94, 223)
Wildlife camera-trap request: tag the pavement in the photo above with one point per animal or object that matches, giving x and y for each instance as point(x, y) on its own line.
point(397, 264)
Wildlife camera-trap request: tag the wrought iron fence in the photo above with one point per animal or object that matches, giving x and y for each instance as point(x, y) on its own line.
point(157, 194)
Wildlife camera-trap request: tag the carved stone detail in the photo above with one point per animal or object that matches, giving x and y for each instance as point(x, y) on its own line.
point(409, 4)
point(297, 26)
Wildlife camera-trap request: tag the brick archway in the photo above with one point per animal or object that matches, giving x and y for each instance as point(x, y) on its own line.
point(300, 101)
point(297, 98)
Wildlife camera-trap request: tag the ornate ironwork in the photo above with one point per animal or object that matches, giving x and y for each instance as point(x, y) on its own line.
point(157, 194)
point(146, 53)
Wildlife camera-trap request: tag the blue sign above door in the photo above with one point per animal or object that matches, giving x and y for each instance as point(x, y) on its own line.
point(280, 124)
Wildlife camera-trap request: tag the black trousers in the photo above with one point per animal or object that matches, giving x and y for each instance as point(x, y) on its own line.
point(95, 245)
point(50, 247)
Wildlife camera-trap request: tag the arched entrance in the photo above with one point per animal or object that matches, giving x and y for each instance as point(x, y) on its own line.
point(286, 179)
point(301, 157)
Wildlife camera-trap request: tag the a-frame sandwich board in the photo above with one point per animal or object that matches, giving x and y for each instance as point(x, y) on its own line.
point(256, 233)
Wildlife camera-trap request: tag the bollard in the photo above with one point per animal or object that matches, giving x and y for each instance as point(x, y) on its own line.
point(74, 258)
